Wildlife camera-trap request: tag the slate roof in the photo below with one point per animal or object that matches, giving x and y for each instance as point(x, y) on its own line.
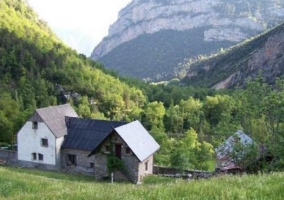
point(54, 118)
point(138, 139)
point(227, 147)
point(87, 134)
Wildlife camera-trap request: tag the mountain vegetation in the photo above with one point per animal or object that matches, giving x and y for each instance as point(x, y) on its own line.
point(38, 70)
point(240, 63)
point(127, 59)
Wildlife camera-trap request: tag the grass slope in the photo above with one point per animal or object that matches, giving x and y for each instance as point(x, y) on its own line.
point(33, 184)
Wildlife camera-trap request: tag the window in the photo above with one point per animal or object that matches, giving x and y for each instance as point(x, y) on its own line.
point(71, 159)
point(127, 150)
point(40, 156)
point(146, 166)
point(107, 148)
point(92, 165)
point(35, 125)
point(33, 156)
point(44, 142)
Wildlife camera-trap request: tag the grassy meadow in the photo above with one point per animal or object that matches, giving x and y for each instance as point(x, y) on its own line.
point(16, 183)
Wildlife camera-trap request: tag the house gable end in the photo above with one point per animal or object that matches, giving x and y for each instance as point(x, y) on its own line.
point(35, 117)
point(138, 139)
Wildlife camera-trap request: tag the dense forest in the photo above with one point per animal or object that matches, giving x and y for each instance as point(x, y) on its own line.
point(38, 70)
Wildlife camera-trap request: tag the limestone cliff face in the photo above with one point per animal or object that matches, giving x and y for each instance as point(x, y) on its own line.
point(225, 19)
point(264, 54)
point(268, 59)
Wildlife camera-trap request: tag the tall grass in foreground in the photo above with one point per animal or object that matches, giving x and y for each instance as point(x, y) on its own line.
point(34, 184)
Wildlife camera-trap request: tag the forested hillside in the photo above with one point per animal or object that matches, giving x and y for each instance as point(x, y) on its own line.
point(37, 70)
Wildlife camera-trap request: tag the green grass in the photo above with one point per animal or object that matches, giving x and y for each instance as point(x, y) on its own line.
point(34, 184)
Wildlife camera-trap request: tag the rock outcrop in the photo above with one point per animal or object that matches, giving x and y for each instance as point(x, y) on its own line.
point(264, 54)
point(220, 20)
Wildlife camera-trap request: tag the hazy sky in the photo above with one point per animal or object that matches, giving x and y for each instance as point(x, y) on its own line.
point(90, 16)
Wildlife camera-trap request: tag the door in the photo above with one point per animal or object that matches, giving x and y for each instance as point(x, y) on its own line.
point(118, 150)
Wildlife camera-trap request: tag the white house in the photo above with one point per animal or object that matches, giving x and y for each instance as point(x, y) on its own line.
point(40, 139)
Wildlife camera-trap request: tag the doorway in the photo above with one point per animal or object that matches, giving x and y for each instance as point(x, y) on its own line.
point(118, 150)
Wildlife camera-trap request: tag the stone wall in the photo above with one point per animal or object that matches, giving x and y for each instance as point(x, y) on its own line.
point(134, 167)
point(9, 157)
point(101, 170)
point(118, 176)
point(83, 162)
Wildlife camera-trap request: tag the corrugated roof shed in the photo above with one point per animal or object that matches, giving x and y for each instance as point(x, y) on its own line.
point(87, 134)
point(54, 118)
point(227, 147)
point(138, 139)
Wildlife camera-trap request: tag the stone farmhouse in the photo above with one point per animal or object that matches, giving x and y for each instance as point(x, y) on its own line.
point(54, 138)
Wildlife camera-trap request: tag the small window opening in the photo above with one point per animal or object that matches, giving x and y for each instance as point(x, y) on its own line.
point(33, 156)
point(40, 156)
point(146, 166)
point(107, 148)
point(127, 150)
point(71, 159)
point(44, 142)
point(92, 165)
point(35, 125)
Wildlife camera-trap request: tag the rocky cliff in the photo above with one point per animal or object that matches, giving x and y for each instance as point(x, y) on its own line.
point(264, 54)
point(220, 23)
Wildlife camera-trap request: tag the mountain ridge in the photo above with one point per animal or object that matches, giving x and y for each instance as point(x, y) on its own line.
point(227, 21)
point(263, 54)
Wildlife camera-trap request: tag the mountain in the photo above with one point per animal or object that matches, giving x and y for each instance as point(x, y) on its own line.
point(234, 67)
point(151, 37)
point(77, 39)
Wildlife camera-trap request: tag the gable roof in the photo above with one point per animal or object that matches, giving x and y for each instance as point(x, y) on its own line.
point(54, 118)
point(138, 139)
point(227, 147)
point(87, 134)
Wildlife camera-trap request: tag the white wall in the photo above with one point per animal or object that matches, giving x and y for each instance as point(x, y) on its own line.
point(29, 141)
point(59, 142)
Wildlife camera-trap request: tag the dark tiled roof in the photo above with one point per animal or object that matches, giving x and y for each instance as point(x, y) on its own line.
point(87, 134)
point(54, 118)
point(138, 139)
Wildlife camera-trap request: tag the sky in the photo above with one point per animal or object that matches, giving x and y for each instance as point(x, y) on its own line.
point(93, 17)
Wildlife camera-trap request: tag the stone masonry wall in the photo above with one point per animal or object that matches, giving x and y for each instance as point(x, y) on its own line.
point(83, 162)
point(101, 170)
point(9, 157)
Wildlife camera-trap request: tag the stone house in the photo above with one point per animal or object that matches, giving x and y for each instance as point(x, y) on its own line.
point(83, 136)
point(134, 146)
point(54, 138)
point(40, 138)
point(90, 143)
